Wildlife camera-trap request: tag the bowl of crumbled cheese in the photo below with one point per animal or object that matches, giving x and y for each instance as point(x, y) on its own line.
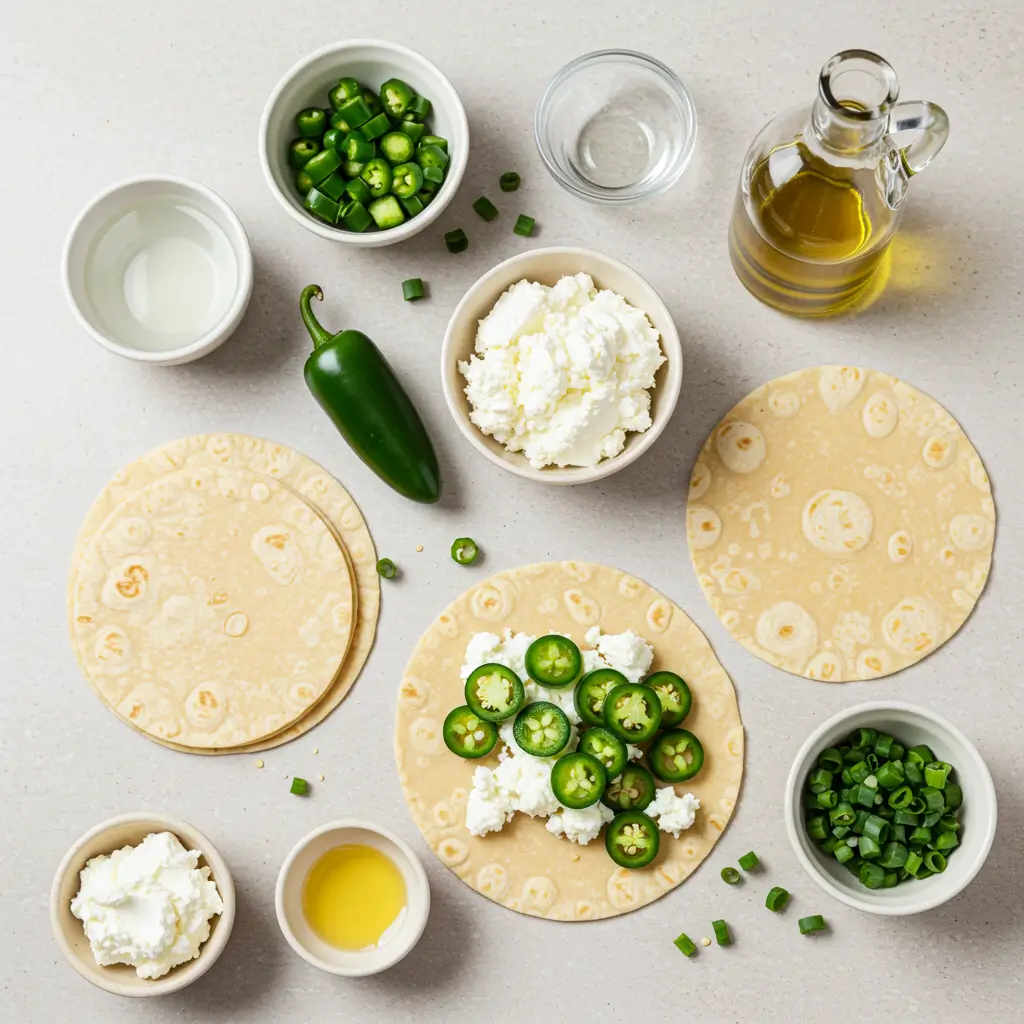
point(142, 905)
point(561, 365)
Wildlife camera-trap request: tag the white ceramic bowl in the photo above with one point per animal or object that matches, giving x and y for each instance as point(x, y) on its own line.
point(547, 266)
point(91, 254)
point(910, 725)
point(302, 938)
point(130, 830)
point(371, 62)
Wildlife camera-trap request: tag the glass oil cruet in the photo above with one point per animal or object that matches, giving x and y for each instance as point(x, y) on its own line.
point(821, 192)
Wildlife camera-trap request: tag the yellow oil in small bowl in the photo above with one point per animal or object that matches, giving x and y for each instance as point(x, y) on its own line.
point(352, 895)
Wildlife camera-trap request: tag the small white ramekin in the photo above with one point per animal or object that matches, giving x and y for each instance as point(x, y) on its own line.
point(130, 830)
point(547, 266)
point(371, 62)
point(911, 725)
point(302, 938)
point(121, 199)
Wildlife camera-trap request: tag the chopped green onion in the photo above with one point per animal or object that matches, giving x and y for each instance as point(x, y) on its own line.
point(890, 775)
point(509, 181)
point(890, 879)
point(894, 855)
point(869, 848)
point(685, 944)
point(820, 780)
point(921, 836)
point(914, 774)
point(871, 875)
point(864, 738)
point(883, 746)
point(730, 875)
point(841, 831)
point(843, 853)
point(386, 569)
point(842, 814)
point(900, 798)
point(913, 864)
point(933, 798)
point(945, 841)
point(412, 289)
point(863, 795)
point(816, 827)
point(456, 240)
point(948, 823)
point(524, 225)
point(829, 799)
point(831, 760)
point(860, 771)
point(464, 550)
point(778, 897)
point(954, 796)
point(936, 774)
point(876, 828)
point(935, 862)
point(814, 923)
point(920, 755)
point(749, 861)
point(300, 787)
point(722, 935)
point(485, 208)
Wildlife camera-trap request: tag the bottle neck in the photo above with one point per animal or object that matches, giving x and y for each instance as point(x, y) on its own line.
point(842, 133)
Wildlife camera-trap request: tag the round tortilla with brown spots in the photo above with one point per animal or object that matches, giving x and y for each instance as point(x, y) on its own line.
point(841, 523)
point(524, 867)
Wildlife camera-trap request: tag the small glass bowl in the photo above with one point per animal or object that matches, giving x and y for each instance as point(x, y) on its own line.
point(615, 127)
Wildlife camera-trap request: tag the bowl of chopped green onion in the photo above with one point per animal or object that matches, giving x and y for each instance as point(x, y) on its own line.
point(890, 808)
point(364, 142)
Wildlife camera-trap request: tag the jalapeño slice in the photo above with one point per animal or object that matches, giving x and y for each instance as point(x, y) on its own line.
point(578, 780)
point(632, 839)
point(467, 734)
point(676, 755)
point(541, 729)
point(494, 692)
point(633, 790)
point(603, 744)
point(675, 696)
point(553, 661)
point(633, 712)
point(591, 692)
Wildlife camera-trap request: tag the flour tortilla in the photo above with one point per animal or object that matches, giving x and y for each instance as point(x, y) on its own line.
point(841, 523)
point(524, 867)
point(213, 608)
point(299, 474)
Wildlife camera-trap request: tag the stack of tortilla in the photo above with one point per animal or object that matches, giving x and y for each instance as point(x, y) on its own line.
point(223, 594)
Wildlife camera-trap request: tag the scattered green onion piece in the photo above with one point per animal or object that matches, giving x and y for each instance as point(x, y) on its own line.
point(730, 875)
point(456, 240)
point(685, 944)
point(814, 923)
point(386, 569)
point(935, 862)
point(464, 550)
point(722, 935)
point(412, 289)
point(300, 787)
point(509, 181)
point(777, 898)
point(749, 861)
point(524, 225)
point(485, 208)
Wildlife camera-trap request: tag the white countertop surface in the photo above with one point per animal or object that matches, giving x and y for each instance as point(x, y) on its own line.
point(91, 92)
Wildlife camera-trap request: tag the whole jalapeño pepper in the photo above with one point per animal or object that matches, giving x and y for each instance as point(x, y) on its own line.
point(357, 388)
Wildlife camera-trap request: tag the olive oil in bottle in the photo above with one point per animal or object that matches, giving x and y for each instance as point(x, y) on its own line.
point(821, 191)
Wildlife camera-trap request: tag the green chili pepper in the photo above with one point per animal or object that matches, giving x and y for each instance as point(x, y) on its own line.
point(377, 175)
point(419, 109)
point(354, 384)
point(346, 89)
point(341, 123)
point(413, 129)
point(358, 148)
point(352, 168)
point(355, 113)
point(397, 147)
point(432, 177)
point(303, 182)
point(435, 140)
point(429, 155)
point(407, 180)
point(371, 101)
point(386, 212)
point(301, 151)
point(464, 549)
point(333, 186)
point(355, 216)
point(322, 206)
point(358, 190)
point(412, 205)
point(311, 122)
point(396, 96)
point(325, 163)
point(376, 126)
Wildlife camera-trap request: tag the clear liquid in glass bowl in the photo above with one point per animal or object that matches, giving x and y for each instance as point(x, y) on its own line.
point(615, 127)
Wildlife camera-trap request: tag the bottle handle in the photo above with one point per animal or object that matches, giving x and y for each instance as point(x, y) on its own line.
point(930, 124)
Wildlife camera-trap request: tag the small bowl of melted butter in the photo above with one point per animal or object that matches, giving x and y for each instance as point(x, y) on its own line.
point(352, 898)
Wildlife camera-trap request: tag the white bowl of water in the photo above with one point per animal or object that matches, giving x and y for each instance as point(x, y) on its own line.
point(615, 127)
point(158, 270)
